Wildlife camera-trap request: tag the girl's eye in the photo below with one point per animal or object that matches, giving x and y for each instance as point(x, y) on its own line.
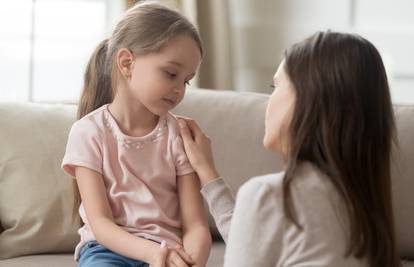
point(171, 75)
point(273, 86)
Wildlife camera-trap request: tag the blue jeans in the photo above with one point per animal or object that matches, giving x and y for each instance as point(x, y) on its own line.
point(92, 254)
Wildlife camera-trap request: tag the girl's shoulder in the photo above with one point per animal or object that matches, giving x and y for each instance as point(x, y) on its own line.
point(172, 124)
point(92, 124)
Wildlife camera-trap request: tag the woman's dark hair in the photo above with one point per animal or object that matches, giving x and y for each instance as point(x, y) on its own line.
point(343, 123)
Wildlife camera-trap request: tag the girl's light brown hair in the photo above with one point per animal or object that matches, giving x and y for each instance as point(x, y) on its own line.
point(145, 28)
point(343, 123)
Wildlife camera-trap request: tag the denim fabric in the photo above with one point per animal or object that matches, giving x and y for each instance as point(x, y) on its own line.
point(92, 254)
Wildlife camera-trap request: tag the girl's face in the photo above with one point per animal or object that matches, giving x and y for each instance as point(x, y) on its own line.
point(158, 80)
point(279, 113)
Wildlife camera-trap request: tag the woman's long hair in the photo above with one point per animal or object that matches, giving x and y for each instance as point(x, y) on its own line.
point(145, 28)
point(343, 123)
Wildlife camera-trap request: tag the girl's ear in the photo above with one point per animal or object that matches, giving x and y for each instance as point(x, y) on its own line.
point(124, 60)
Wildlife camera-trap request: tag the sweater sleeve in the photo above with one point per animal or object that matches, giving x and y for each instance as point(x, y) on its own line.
point(221, 204)
point(257, 229)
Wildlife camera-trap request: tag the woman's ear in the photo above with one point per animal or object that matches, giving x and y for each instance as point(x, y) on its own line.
point(124, 60)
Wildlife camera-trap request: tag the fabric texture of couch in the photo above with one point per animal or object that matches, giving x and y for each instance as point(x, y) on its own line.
point(36, 197)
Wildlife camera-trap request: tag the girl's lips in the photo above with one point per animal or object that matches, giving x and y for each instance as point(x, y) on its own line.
point(170, 101)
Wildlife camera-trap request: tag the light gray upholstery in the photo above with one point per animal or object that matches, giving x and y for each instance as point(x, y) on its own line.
point(235, 123)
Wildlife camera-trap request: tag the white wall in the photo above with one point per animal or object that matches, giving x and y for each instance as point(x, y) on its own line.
point(263, 29)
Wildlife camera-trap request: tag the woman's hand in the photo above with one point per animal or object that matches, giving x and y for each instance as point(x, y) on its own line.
point(172, 257)
point(197, 146)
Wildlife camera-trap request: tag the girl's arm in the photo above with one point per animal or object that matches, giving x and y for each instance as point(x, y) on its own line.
point(107, 233)
point(196, 234)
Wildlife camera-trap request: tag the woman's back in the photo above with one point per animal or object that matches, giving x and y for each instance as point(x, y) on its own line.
point(276, 241)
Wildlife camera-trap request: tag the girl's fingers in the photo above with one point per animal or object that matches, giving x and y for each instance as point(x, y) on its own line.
point(163, 255)
point(177, 260)
point(184, 255)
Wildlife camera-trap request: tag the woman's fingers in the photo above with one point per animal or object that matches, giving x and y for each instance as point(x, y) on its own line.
point(192, 125)
point(185, 131)
point(195, 129)
point(191, 129)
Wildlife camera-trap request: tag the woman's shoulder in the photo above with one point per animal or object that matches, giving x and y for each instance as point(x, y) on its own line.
point(310, 179)
point(264, 189)
point(313, 192)
point(272, 181)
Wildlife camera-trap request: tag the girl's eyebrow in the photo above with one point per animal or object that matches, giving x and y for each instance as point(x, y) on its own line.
point(178, 64)
point(175, 63)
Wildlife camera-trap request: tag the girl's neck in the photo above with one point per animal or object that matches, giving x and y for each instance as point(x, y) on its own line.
point(132, 117)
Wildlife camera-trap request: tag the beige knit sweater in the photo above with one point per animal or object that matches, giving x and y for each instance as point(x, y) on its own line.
point(261, 235)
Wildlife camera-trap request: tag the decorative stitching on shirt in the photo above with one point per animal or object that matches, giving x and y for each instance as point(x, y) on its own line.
point(137, 144)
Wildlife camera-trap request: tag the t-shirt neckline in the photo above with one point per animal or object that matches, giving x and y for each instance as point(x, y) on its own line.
point(113, 125)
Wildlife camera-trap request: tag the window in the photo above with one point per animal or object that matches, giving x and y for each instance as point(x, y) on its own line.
point(390, 26)
point(15, 27)
point(45, 45)
point(261, 33)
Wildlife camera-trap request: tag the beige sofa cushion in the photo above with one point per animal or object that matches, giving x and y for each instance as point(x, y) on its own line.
point(35, 195)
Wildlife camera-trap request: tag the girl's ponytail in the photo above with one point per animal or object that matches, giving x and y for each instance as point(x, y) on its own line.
point(97, 90)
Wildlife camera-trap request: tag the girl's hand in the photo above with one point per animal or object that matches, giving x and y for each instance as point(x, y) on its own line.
point(197, 146)
point(175, 257)
point(159, 260)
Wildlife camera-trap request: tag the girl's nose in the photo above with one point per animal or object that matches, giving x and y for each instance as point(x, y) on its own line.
point(179, 89)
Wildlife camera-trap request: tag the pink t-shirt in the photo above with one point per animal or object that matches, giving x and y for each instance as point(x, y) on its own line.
point(140, 174)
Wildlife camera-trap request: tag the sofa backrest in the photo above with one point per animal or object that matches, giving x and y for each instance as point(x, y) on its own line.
point(402, 175)
point(36, 197)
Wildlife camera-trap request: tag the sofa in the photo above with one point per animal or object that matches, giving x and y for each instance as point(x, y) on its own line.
point(36, 227)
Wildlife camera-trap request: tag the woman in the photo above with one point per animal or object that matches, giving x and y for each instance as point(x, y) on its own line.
point(330, 117)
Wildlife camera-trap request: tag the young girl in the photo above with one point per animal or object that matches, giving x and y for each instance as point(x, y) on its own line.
point(137, 187)
point(331, 118)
